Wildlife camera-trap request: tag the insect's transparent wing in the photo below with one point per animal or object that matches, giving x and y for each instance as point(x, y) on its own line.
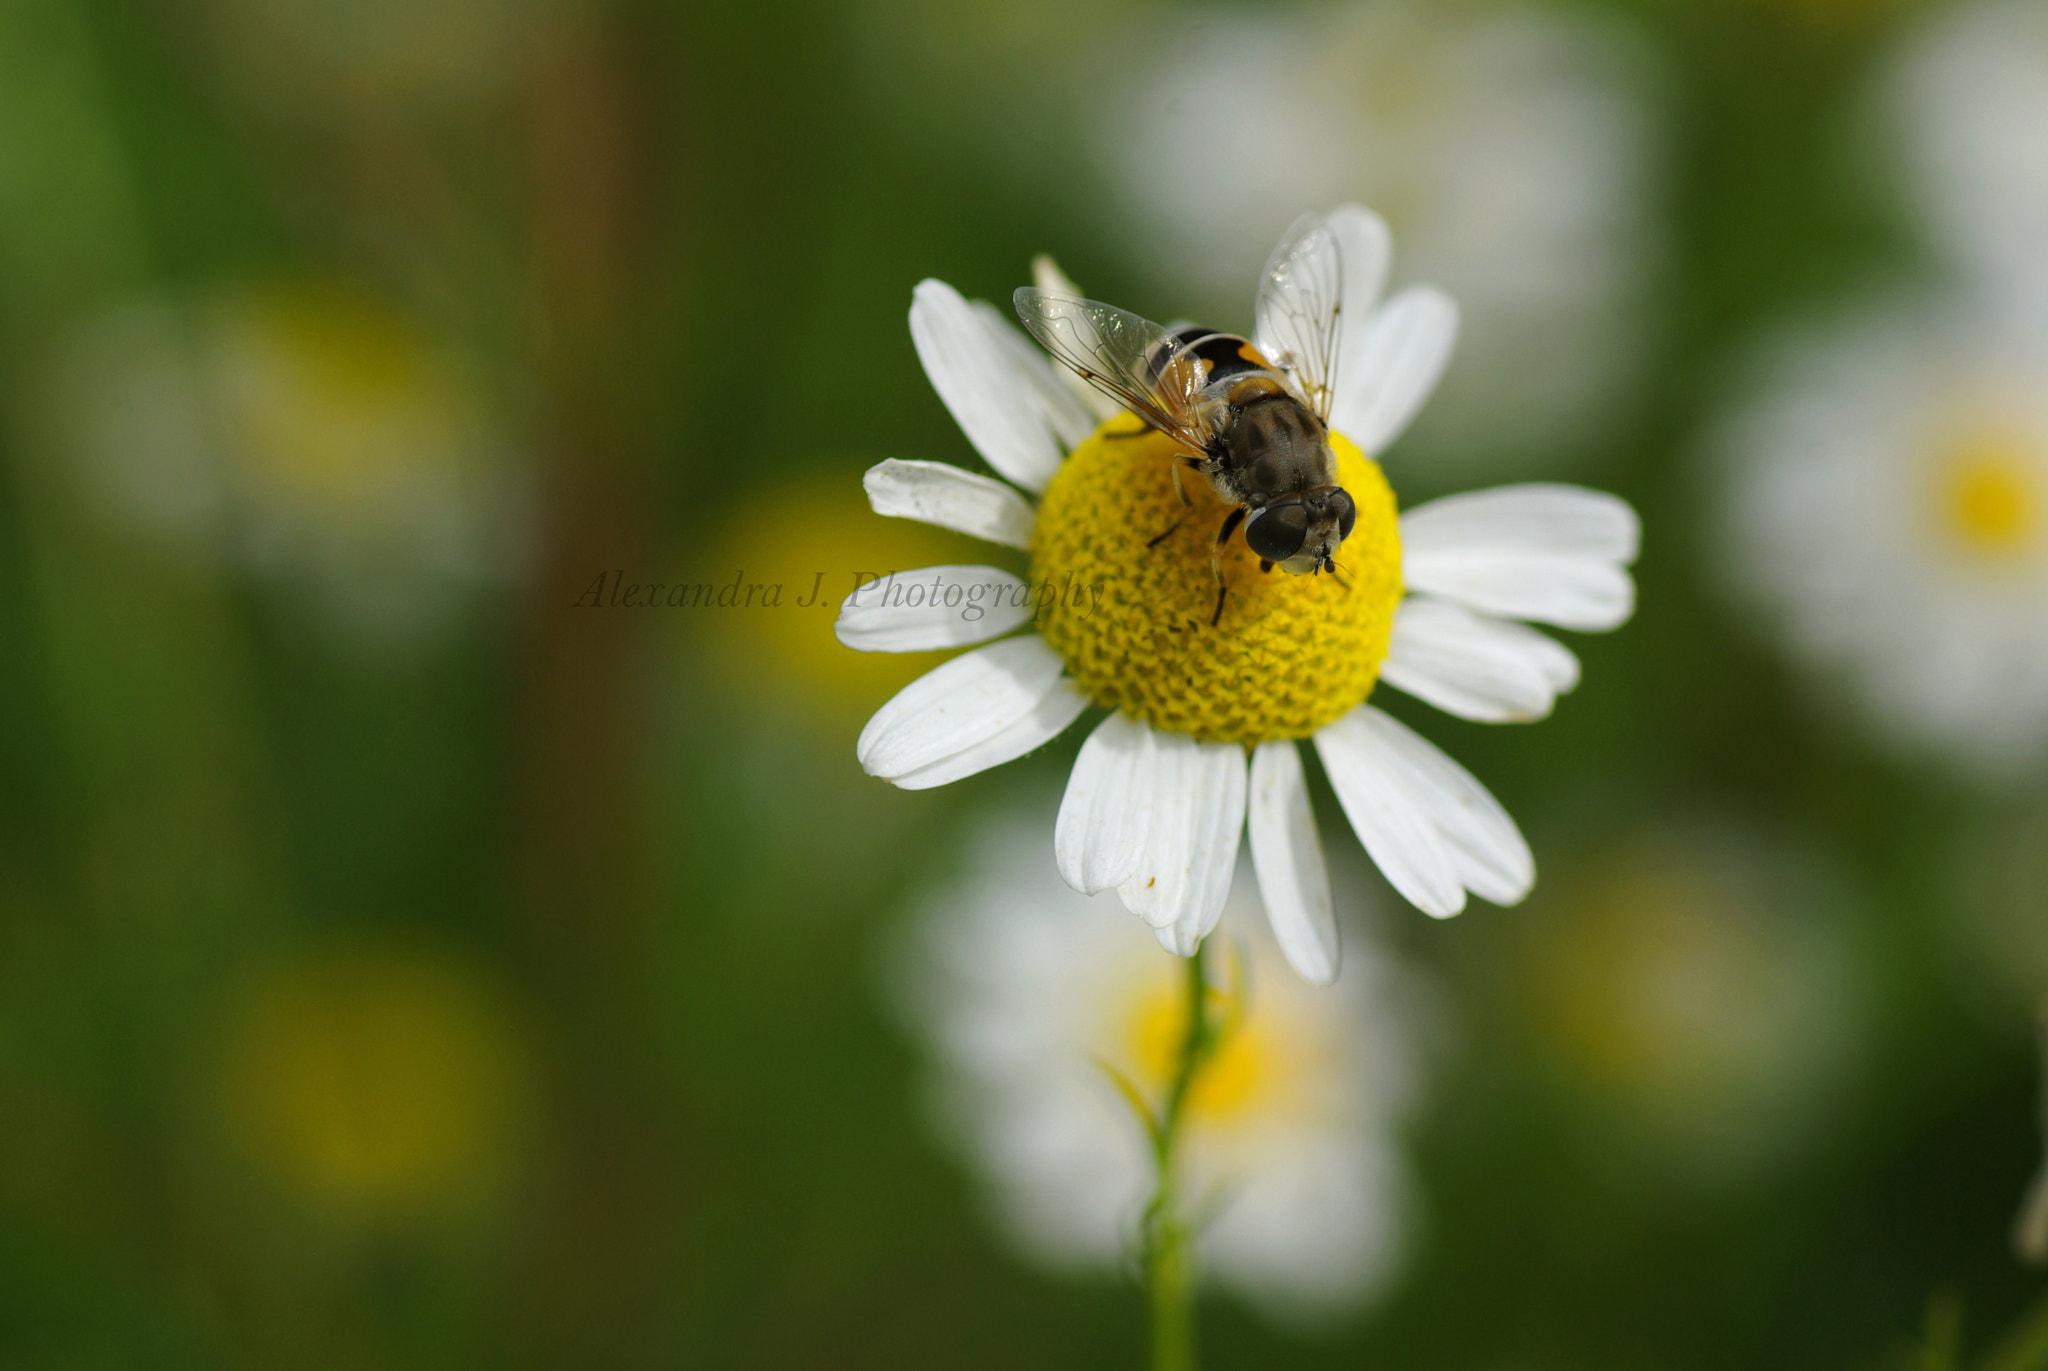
point(1300, 298)
point(1129, 359)
point(1047, 276)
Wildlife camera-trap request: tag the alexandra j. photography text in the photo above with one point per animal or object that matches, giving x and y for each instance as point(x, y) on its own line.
point(970, 591)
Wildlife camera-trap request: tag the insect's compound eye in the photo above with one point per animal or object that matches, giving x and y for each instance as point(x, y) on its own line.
point(1346, 512)
point(1277, 532)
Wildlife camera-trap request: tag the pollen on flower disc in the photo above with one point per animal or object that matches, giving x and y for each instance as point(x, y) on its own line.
point(1291, 653)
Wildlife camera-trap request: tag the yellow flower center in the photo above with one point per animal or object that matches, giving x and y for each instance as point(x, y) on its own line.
point(1991, 496)
point(376, 1080)
point(339, 403)
point(1249, 1066)
point(778, 646)
point(1290, 653)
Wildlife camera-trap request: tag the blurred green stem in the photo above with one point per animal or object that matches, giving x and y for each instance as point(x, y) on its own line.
point(1169, 1274)
point(1941, 1340)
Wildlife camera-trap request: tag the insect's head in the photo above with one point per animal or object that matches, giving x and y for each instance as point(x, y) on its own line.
point(1301, 532)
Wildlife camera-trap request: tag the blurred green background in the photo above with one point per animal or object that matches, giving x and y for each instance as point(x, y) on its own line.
point(402, 967)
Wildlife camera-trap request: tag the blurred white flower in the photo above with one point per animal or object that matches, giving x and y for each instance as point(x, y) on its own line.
point(1694, 986)
point(1507, 147)
point(1888, 503)
point(1024, 991)
point(312, 434)
point(1965, 112)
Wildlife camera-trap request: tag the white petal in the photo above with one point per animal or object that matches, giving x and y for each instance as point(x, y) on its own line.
point(1061, 706)
point(1197, 919)
point(1294, 881)
point(938, 607)
point(1373, 785)
point(1475, 666)
point(1219, 830)
point(1368, 248)
point(1491, 859)
point(960, 705)
point(992, 389)
point(1046, 275)
point(1106, 815)
point(1046, 381)
point(1551, 553)
point(1391, 366)
point(1197, 824)
point(1172, 809)
point(937, 493)
point(1540, 517)
point(1183, 935)
point(1569, 592)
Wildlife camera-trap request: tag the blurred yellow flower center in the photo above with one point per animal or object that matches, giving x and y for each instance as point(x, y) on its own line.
point(375, 1080)
point(1290, 654)
point(1233, 1082)
point(827, 544)
point(339, 401)
point(1685, 948)
point(1992, 496)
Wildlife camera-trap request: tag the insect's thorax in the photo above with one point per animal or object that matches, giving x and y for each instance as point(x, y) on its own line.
point(1272, 447)
point(1267, 442)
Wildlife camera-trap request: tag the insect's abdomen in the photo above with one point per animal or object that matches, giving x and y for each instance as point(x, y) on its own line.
point(1226, 353)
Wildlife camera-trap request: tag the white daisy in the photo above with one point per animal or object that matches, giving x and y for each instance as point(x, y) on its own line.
point(1695, 988)
point(1200, 741)
point(1965, 104)
point(1889, 503)
point(1024, 994)
point(314, 435)
point(1510, 145)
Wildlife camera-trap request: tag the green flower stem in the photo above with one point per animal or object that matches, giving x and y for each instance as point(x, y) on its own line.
point(1170, 1293)
point(1169, 1274)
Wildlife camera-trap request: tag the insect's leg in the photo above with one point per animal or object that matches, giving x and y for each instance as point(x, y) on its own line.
point(1230, 523)
point(1181, 491)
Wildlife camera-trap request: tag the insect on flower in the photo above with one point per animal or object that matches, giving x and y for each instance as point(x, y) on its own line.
point(1253, 416)
point(1211, 696)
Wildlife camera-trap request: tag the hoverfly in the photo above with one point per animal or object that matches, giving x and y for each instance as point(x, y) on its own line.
point(1251, 416)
